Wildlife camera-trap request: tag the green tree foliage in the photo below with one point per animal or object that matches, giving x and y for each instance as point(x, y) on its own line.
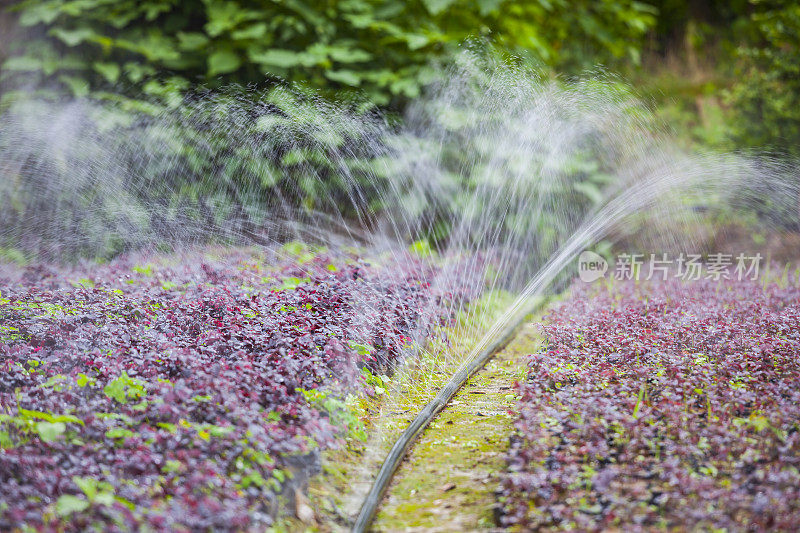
point(766, 100)
point(384, 48)
point(732, 71)
point(227, 167)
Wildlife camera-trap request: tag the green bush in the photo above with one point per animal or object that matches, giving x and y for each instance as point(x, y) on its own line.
point(147, 154)
point(766, 97)
point(504, 158)
point(384, 48)
point(96, 179)
point(235, 166)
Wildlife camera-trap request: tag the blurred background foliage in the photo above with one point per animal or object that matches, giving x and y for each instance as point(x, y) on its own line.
point(386, 49)
point(722, 73)
point(725, 72)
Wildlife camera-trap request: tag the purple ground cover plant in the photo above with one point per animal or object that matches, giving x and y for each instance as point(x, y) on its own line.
point(662, 405)
point(189, 395)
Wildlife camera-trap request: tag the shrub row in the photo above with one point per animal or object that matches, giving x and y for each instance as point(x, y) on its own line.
point(189, 396)
point(667, 405)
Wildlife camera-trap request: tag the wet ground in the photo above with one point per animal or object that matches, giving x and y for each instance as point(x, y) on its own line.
point(449, 479)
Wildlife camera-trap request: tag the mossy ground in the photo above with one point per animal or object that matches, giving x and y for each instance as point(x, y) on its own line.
point(449, 479)
point(473, 431)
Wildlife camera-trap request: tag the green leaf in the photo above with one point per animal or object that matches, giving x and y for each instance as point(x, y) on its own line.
point(68, 504)
point(115, 416)
point(124, 387)
point(104, 498)
point(154, 9)
point(292, 283)
point(116, 391)
point(349, 55)
point(348, 77)
point(119, 433)
point(190, 41)
point(487, 6)
point(50, 431)
point(41, 13)
point(49, 417)
point(421, 248)
point(254, 31)
point(270, 122)
point(77, 86)
point(590, 190)
point(435, 7)
point(54, 381)
point(170, 466)
point(23, 64)
point(278, 58)
point(759, 422)
point(416, 41)
point(136, 72)
point(172, 428)
point(219, 431)
point(127, 503)
point(222, 16)
point(97, 492)
point(72, 37)
point(87, 485)
point(109, 71)
point(361, 349)
point(294, 157)
point(223, 62)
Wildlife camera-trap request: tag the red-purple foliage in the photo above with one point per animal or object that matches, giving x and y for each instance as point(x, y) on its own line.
point(171, 397)
point(665, 405)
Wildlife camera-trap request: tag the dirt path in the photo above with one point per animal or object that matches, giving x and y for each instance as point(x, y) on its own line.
point(448, 481)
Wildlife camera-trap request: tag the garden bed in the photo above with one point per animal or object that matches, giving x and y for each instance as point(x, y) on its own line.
point(662, 405)
point(191, 393)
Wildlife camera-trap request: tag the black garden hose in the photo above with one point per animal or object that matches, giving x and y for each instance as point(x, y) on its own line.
point(370, 506)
